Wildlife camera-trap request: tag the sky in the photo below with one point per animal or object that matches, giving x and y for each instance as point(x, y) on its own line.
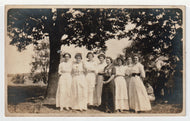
point(19, 62)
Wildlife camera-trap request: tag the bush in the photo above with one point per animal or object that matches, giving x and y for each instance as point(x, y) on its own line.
point(19, 79)
point(37, 77)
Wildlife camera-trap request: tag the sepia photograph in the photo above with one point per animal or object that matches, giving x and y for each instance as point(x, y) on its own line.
point(93, 61)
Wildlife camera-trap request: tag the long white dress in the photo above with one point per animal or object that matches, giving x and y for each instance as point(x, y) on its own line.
point(99, 83)
point(79, 87)
point(63, 95)
point(91, 80)
point(138, 97)
point(121, 92)
point(128, 72)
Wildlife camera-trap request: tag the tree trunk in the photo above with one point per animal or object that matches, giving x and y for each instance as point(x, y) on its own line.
point(55, 35)
point(55, 47)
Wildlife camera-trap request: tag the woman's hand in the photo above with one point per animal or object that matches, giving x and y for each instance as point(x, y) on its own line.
point(63, 71)
point(111, 78)
point(143, 78)
point(128, 75)
point(105, 82)
point(91, 71)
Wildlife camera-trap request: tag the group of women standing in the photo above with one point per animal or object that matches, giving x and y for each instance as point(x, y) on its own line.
point(109, 86)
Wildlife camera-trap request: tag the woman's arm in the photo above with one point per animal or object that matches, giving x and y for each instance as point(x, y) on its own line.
point(95, 69)
point(84, 68)
point(112, 76)
point(127, 72)
point(60, 69)
point(142, 72)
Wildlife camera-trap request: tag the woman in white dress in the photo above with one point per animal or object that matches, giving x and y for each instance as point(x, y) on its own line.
point(91, 71)
point(99, 80)
point(79, 85)
point(121, 93)
point(128, 71)
point(138, 97)
point(63, 95)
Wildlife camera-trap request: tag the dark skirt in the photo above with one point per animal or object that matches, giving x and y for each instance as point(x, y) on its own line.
point(108, 95)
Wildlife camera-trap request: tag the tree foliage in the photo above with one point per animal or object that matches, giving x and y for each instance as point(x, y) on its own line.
point(26, 26)
point(156, 29)
point(40, 62)
point(84, 27)
point(158, 32)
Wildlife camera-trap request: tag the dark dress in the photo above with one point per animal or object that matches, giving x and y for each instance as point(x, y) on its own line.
point(108, 91)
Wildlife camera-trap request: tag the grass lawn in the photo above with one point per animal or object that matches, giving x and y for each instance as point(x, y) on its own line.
point(28, 99)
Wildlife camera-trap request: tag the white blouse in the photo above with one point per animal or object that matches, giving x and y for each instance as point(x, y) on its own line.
point(91, 66)
point(128, 69)
point(101, 67)
point(65, 67)
point(138, 68)
point(78, 68)
point(120, 70)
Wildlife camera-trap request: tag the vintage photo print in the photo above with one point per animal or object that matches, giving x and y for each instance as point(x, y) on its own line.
point(94, 61)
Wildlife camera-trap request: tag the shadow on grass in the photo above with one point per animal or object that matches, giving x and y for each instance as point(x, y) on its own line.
point(20, 94)
point(51, 106)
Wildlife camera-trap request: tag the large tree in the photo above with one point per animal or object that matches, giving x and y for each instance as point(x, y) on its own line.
point(82, 27)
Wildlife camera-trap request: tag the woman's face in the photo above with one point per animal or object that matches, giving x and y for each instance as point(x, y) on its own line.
point(108, 61)
point(136, 59)
point(101, 59)
point(129, 60)
point(67, 57)
point(90, 56)
point(78, 59)
point(119, 61)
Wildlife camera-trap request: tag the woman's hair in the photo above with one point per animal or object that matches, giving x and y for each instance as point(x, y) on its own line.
point(136, 55)
point(89, 53)
point(66, 54)
point(102, 55)
point(117, 59)
point(110, 59)
point(126, 59)
point(78, 55)
point(129, 57)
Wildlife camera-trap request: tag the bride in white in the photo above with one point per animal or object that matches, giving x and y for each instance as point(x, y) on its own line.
point(79, 85)
point(63, 95)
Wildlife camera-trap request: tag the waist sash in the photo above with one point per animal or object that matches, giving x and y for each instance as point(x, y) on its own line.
point(135, 74)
